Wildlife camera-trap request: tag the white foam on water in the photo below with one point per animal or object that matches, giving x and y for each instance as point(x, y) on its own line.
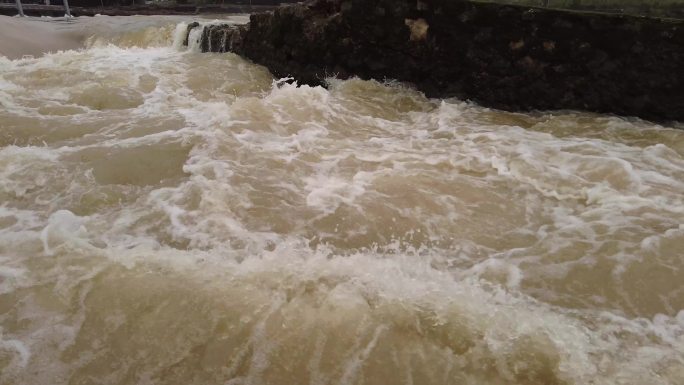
point(22, 353)
point(17, 162)
point(326, 194)
point(62, 226)
point(9, 277)
point(351, 234)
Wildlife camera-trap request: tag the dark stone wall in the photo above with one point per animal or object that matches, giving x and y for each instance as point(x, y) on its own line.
point(508, 57)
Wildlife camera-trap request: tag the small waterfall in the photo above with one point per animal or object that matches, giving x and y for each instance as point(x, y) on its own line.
point(215, 37)
point(179, 35)
point(195, 39)
point(223, 41)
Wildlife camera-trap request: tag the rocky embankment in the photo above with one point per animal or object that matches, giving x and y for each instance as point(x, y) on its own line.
point(507, 57)
point(110, 8)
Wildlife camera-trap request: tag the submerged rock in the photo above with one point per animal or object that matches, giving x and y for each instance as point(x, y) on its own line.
point(502, 56)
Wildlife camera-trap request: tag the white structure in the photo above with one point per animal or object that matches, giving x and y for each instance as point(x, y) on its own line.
point(19, 8)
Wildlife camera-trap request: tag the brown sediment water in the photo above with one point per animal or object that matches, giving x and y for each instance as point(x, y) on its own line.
point(172, 217)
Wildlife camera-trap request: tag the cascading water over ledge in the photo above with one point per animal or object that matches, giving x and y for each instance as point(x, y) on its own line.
point(217, 37)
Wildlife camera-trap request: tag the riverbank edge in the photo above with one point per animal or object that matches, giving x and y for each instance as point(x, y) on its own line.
point(508, 57)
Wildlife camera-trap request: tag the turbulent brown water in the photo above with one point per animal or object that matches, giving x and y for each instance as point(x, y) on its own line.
point(171, 217)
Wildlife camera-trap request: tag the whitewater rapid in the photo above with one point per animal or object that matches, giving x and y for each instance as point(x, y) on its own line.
point(173, 217)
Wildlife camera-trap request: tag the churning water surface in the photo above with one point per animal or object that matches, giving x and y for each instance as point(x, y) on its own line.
point(172, 217)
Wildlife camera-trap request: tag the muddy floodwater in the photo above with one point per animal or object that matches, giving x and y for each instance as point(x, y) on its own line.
point(173, 217)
